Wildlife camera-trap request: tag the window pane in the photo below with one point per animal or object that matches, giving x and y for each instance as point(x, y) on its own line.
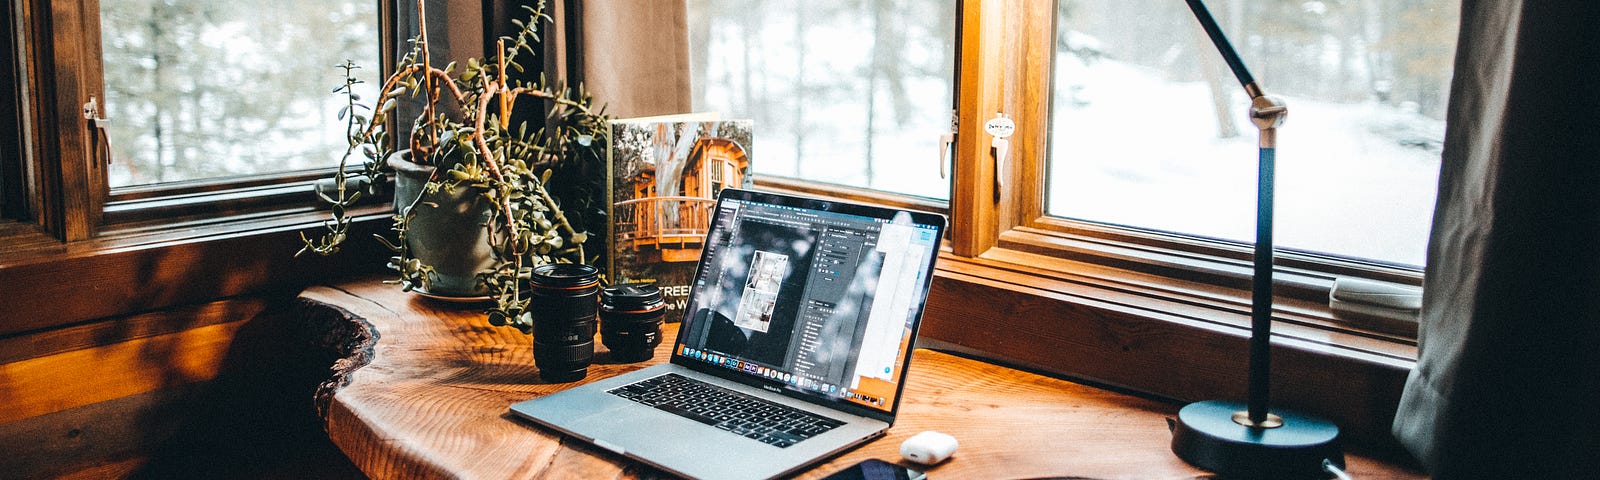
point(203, 89)
point(1149, 127)
point(849, 92)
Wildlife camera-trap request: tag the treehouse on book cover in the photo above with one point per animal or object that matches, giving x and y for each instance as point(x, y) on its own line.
point(666, 178)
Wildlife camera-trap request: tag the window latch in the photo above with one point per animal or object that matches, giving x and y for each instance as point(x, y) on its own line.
point(97, 125)
point(999, 127)
point(946, 142)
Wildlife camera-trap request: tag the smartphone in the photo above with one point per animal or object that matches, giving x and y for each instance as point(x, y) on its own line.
point(874, 469)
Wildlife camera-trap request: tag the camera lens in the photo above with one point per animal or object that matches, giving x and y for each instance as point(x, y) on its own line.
point(562, 301)
point(630, 321)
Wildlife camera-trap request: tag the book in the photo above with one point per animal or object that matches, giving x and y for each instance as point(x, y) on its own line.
point(665, 174)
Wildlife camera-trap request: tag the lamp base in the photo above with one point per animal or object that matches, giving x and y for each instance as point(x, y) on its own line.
point(1207, 436)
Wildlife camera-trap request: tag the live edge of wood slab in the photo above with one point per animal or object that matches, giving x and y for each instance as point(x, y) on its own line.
point(425, 386)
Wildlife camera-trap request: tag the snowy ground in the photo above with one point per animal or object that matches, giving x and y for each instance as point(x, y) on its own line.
point(1128, 147)
point(1137, 150)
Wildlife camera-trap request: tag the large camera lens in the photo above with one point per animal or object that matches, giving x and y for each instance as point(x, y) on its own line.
point(630, 321)
point(562, 301)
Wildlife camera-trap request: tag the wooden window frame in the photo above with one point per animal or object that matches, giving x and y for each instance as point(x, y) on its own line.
point(84, 252)
point(1161, 314)
point(71, 200)
point(1015, 76)
point(14, 200)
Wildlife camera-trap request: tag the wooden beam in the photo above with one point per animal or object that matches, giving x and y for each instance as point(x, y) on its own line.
point(981, 72)
point(69, 284)
point(109, 332)
point(76, 378)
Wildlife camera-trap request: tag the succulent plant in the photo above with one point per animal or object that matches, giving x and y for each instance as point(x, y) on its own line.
point(480, 149)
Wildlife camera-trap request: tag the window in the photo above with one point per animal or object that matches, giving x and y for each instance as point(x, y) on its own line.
point(158, 245)
point(847, 93)
point(1148, 127)
point(215, 110)
point(198, 89)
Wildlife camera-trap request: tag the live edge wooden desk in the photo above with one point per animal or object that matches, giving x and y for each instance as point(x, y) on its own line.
point(424, 392)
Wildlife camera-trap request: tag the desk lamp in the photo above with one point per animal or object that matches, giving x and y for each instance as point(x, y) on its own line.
point(1250, 440)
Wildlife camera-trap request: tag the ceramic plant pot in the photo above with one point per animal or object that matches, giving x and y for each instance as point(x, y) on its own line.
point(446, 231)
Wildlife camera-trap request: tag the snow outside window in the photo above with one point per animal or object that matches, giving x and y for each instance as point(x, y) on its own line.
point(846, 92)
point(201, 89)
point(1149, 128)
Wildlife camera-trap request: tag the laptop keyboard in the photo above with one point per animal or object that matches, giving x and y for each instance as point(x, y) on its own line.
point(740, 414)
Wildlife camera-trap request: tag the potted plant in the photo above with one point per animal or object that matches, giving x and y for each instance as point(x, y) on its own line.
point(474, 213)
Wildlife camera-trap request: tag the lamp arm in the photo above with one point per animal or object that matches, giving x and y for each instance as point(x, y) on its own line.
point(1214, 31)
point(1267, 113)
point(1217, 435)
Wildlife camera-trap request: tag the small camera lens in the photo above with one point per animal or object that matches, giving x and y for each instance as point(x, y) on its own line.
point(631, 317)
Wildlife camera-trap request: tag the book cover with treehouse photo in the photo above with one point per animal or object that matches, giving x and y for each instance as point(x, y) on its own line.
point(665, 176)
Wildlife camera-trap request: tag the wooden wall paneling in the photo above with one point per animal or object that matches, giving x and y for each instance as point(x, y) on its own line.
point(105, 439)
point(109, 332)
point(97, 396)
point(213, 390)
point(76, 378)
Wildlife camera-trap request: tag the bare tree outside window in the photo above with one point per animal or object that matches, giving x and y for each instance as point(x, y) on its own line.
point(201, 89)
point(847, 92)
point(1149, 131)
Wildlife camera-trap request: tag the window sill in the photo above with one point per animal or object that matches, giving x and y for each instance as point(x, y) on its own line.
point(1168, 266)
point(1162, 337)
point(131, 270)
point(226, 199)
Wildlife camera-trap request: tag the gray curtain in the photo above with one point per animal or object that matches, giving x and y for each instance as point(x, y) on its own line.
point(636, 55)
point(1507, 383)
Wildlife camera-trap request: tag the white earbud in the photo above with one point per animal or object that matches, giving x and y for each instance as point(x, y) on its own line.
point(928, 447)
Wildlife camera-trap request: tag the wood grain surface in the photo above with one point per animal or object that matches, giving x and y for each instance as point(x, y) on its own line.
point(433, 402)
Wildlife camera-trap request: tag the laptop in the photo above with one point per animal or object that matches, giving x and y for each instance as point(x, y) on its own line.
point(796, 337)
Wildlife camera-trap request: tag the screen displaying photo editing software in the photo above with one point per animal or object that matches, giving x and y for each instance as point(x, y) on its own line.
point(820, 302)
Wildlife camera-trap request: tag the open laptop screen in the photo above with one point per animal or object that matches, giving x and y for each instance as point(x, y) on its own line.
point(814, 297)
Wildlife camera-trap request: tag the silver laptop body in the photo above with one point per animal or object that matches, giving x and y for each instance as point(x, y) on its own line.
point(806, 303)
